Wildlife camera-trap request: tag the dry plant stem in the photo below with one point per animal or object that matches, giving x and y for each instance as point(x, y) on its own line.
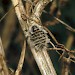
point(65, 67)
point(21, 61)
point(54, 21)
point(8, 29)
point(28, 8)
point(56, 49)
point(44, 63)
point(7, 13)
point(62, 22)
point(41, 57)
point(65, 24)
point(31, 63)
point(35, 1)
point(19, 11)
point(69, 41)
point(3, 65)
point(53, 7)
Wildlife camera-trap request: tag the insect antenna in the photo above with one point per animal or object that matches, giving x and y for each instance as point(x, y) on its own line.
point(52, 36)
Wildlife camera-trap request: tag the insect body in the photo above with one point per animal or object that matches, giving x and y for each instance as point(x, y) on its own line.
point(38, 37)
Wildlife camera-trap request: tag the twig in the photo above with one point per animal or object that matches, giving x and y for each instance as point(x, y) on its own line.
point(53, 7)
point(21, 61)
point(28, 8)
point(19, 11)
point(66, 61)
point(42, 58)
point(65, 66)
point(7, 30)
point(69, 41)
point(3, 65)
point(65, 24)
point(62, 22)
point(7, 13)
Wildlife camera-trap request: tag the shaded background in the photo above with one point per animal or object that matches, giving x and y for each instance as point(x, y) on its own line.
point(12, 36)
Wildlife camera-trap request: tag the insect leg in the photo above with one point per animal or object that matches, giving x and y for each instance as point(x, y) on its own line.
point(51, 35)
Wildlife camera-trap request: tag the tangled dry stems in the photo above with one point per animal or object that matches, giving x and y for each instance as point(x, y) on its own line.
point(59, 46)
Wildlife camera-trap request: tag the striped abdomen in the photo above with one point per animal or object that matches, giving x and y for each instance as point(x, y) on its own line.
point(38, 37)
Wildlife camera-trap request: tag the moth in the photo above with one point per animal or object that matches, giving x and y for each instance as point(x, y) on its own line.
point(38, 37)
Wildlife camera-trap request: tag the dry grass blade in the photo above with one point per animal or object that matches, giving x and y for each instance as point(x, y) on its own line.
point(62, 22)
point(41, 56)
point(65, 24)
point(21, 61)
point(8, 12)
point(55, 49)
point(3, 66)
point(8, 29)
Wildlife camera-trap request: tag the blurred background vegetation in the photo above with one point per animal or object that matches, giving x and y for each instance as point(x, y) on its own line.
point(13, 37)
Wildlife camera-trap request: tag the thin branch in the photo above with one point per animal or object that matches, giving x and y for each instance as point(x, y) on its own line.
point(66, 62)
point(65, 66)
point(65, 24)
point(7, 30)
point(62, 22)
point(28, 8)
point(20, 10)
point(3, 65)
point(56, 49)
point(8, 12)
point(21, 61)
point(42, 58)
